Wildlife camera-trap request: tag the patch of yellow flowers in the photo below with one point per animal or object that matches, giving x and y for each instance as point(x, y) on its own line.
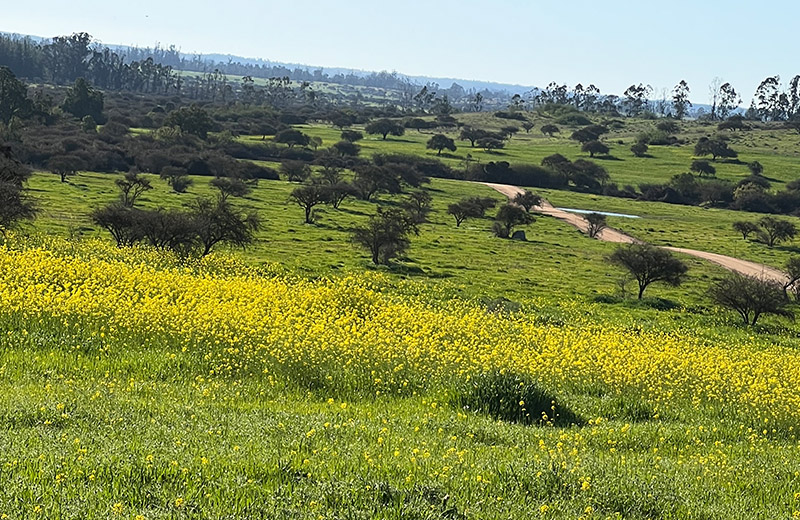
point(358, 333)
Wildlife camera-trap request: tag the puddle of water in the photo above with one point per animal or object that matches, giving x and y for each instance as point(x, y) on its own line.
point(606, 213)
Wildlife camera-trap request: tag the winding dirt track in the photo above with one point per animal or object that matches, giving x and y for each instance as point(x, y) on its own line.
point(614, 235)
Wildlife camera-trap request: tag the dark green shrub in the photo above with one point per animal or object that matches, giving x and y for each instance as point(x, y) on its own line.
point(514, 398)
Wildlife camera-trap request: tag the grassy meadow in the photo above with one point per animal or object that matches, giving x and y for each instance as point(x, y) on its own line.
point(476, 378)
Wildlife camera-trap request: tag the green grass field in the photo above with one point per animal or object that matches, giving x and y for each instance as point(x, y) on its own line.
point(296, 380)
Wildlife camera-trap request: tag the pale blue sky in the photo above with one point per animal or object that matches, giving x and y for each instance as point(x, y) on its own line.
point(609, 43)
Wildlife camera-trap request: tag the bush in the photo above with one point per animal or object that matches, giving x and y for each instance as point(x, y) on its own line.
point(513, 398)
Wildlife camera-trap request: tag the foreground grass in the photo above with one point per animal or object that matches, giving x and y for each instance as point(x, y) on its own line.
point(133, 387)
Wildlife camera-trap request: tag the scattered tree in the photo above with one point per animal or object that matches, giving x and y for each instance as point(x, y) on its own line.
point(193, 120)
point(219, 222)
point(715, 147)
point(491, 143)
point(230, 187)
point(385, 235)
point(751, 297)
point(639, 149)
point(295, 171)
point(527, 200)
point(309, 196)
point(385, 127)
point(472, 207)
point(14, 202)
point(773, 230)
point(680, 100)
point(701, 167)
point(14, 100)
point(65, 166)
point(132, 186)
point(596, 223)
point(347, 148)
point(83, 100)
point(755, 168)
point(509, 216)
point(549, 130)
point(745, 228)
point(352, 135)
point(649, 264)
point(418, 205)
point(441, 142)
point(528, 126)
point(292, 137)
point(595, 147)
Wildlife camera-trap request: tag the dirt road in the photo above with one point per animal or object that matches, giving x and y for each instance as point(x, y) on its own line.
point(614, 235)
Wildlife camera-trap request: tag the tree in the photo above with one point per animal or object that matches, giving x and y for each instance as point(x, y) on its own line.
point(636, 97)
point(745, 228)
point(472, 207)
point(14, 100)
point(193, 120)
point(596, 222)
point(589, 133)
point(508, 216)
point(131, 187)
point(385, 127)
point(549, 130)
point(491, 143)
point(65, 166)
point(649, 264)
point(774, 230)
point(352, 135)
point(315, 142)
point(701, 168)
point(119, 221)
point(347, 148)
point(385, 235)
point(715, 147)
point(756, 168)
point(14, 202)
point(471, 134)
point(680, 99)
point(83, 100)
point(370, 180)
point(751, 297)
point(337, 192)
point(309, 196)
point(295, 171)
point(441, 142)
point(792, 267)
point(417, 124)
point(639, 149)
point(728, 100)
point(292, 137)
point(230, 187)
point(218, 222)
point(509, 131)
point(527, 200)
point(595, 147)
point(418, 205)
point(528, 126)
point(668, 126)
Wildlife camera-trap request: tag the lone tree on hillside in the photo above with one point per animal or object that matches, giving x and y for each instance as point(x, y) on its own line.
point(131, 187)
point(472, 207)
point(292, 137)
point(549, 130)
point(649, 264)
point(773, 230)
point(385, 235)
point(230, 187)
point(309, 196)
point(14, 203)
point(65, 166)
point(715, 147)
point(745, 228)
point(750, 297)
point(595, 147)
point(471, 134)
point(596, 222)
point(527, 200)
point(385, 127)
point(441, 142)
point(639, 149)
point(528, 126)
point(218, 221)
point(508, 216)
point(701, 167)
point(756, 168)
